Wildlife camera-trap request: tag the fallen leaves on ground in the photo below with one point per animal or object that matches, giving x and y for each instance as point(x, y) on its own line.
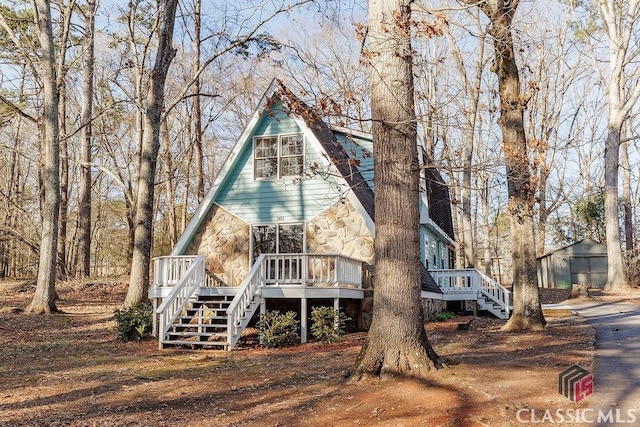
point(70, 369)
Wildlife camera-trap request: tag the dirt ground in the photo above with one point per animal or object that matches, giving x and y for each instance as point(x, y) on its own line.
point(70, 369)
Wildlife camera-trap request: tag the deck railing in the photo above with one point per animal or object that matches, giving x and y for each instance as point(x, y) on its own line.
point(312, 270)
point(168, 270)
point(494, 291)
point(473, 282)
point(184, 289)
point(243, 305)
point(456, 281)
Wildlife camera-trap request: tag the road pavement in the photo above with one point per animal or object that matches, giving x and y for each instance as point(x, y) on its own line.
point(616, 374)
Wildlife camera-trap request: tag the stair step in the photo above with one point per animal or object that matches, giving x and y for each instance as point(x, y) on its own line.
point(196, 334)
point(190, 314)
point(203, 325)
point(195, 316)
point(212, 303)
point(222, 344)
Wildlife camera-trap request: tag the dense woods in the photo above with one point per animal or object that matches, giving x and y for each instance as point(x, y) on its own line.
point(82, 112)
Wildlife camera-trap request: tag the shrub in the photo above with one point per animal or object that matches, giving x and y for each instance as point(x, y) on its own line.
point(278, 330)
point(444, 316)
point(327, 324)
point(135, 322)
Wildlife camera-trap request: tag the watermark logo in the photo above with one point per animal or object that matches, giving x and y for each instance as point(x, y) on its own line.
point(600, 417)
point(575, 383)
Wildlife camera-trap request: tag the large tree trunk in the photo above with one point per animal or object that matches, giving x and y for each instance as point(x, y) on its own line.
point(83, 264)
point(397, 343)
point(44, 298)
point(143, 231)
point(616, 278)
point(527, 311)
point(623, 91)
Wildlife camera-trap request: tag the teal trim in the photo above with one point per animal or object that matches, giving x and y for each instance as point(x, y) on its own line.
point(275, 122)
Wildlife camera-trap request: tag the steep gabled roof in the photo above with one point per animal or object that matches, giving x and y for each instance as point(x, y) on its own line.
point(346, 166)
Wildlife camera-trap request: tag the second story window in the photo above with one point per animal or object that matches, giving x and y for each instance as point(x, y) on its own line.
point(278, 156)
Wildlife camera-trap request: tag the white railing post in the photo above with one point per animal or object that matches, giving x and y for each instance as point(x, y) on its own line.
point(305, 271)
point(238, 314)
point(177, 299)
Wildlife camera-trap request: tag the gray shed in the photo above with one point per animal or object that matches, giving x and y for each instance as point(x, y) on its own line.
point(584, 262)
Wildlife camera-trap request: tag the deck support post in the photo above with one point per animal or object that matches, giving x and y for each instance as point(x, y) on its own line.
point(154, 329)
point(336, 309)
point(263, 310)
point(303, 320)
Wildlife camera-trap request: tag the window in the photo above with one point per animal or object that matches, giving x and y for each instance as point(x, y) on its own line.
point(277, 238)
point(278, 156)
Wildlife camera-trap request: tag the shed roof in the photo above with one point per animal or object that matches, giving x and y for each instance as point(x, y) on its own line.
point(583, 246)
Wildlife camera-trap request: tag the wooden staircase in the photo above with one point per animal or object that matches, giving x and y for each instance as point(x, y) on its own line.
point(487, 304)
point(202, 324)
point(193, 310)
point(472, 285)
point(197, 316)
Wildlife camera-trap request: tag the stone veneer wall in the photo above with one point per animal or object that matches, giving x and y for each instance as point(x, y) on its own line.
point(340, 230)
point(223, 240)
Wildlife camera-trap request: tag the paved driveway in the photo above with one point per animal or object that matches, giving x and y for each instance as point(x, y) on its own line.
point(617, 360)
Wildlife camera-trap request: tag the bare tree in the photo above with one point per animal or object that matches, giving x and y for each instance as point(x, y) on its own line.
point(197, 111)
point(145, 186)
point(527, 311)
point(61, 76)
point(472, 80)
point(83, 264)
point(621, 25)
point(44, 298)
point(397, 343)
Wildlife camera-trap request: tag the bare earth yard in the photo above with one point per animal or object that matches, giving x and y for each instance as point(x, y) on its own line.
point(70, 369)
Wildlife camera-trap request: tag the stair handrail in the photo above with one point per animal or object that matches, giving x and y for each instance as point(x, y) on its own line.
point(246, 292)
point(180, 294)
point(495, 291)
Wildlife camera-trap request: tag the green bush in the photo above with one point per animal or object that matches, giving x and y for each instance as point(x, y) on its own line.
point(278, 330)
point(327, 324)
point(134, 323)
point(444, 316)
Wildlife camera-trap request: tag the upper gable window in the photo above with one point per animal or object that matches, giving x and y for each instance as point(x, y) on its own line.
point(278, 156)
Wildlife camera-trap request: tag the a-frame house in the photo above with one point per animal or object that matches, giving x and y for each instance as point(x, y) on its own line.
point(289, 223)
